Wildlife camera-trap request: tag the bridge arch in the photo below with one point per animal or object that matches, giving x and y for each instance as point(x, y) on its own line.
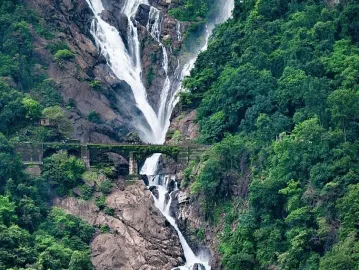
point(112, 158)
point(50, 149)
point(167, 164)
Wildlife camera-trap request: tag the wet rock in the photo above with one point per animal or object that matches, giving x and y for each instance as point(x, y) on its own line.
point(174, 207)
point(166, 166)
point(154, 191)
point(142, 14)
point(183, 197)
point(198, 266)
point(171, 185)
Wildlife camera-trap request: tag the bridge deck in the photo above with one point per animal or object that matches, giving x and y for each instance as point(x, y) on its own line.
point(35, 152)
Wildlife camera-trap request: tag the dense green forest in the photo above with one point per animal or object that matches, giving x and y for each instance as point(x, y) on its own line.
point(277, 93)
point(33, 235)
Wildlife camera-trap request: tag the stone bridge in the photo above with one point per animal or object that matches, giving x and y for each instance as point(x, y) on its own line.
point(33, 153)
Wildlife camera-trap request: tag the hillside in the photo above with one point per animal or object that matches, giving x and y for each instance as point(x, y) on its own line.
point(268, 90)
point(276, 94)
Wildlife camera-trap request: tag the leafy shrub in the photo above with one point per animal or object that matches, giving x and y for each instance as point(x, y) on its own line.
point(109, 211)
point(63, 171)
point(94, 117)
point(177, 136)
point(104, 228)
point(86, 191)
point(64, 54)
point(95, 84)
point(45, 93)
point(56, 46)
point(57, 117)
point(101, 202)
point(105, 186)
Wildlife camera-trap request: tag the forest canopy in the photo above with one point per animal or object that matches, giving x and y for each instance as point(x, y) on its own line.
point(277, 93)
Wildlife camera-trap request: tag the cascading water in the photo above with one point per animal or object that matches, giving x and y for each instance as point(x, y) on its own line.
point(126, 65)
point(161, 183)
point(154, 28)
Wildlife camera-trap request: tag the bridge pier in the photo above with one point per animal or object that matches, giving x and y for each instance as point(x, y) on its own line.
point(133, 165)
point(85, 156)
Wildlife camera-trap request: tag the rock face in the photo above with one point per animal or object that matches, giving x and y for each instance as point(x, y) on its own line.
point(184, 124)
point(190, 219)
point(139, 237)
point(110, 97)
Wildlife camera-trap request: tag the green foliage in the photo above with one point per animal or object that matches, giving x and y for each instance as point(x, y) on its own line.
point(200, 234)
point(150, 76)
point(57, 117)
point(17, 57)
point(109, 211)
point(86, 191)
point(17, 109)
point(277, 94)
point(105, 186)
point(95, 84)
point(7, 211)
point(64, 54)
point(177, 136)
point(101, 202)
point(191, 10)
point(45, 93)
point(94, 117)
point(56, 46)
point(63, 171)
point(110, 172)
point(30, 235)
point(32, 107)
point(104, 228)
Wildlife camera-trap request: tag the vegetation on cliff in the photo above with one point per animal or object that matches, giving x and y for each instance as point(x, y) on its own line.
point(33, 235)
point(277, 95)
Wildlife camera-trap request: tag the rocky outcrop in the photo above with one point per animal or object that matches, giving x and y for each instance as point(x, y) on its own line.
point(139, 236)
point(200, 235)
point(183, 128)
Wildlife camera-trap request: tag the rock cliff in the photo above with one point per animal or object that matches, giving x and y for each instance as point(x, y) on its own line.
point(86, 81)
point(138, 236)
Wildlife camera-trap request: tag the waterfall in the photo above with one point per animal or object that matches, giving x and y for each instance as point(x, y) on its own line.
point(154, 28)
point(161, 183)
point(125, 63)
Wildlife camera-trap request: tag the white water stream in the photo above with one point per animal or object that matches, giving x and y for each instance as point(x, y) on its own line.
point(161, 184)
point(126, 65)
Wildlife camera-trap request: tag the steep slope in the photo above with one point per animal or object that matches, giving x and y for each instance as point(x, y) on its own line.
point(276, 93)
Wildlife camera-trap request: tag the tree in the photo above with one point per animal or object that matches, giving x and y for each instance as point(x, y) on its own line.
point(7, 211)
point(80, 261)
point(63, 172)
point(57, 117)
point(32, 107)
point(344, 107)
